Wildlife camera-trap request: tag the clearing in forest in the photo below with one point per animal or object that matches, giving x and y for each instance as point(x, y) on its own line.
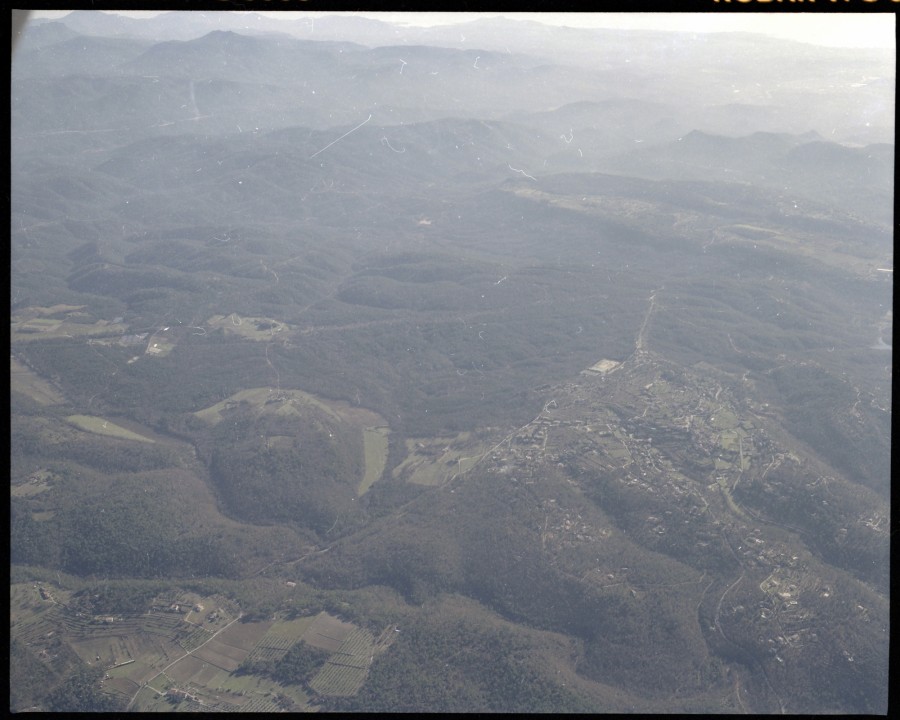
point(604, 366)
point(266, 399)
point(252, 328)
point(100, 426)
point(434, 461)
point(41, 323)
point(27, 382)
point(375, 443)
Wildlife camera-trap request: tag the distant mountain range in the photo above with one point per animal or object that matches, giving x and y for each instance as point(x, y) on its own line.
point(679, 64)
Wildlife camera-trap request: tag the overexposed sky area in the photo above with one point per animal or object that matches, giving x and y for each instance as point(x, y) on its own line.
point(866, 29)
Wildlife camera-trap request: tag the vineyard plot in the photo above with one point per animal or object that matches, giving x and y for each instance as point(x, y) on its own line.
point(346, 669)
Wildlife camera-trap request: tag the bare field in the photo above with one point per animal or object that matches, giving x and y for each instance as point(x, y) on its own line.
point(327, 632)
point(185, 669)
point(244, 636)
point(222, 655)
point(604, 366)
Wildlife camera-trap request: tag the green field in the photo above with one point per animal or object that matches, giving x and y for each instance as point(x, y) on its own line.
point(23, 380)
point(99, 426)
point(252, 328)
point(433, 461)
point(729, 440)
point(45, 328)
point(723, 419)
point(280, 637)
point(258, 688)
point(37, 483)
point(375, 442)
point(160, 348)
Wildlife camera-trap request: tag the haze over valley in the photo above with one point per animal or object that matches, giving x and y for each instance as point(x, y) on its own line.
point(482, 367)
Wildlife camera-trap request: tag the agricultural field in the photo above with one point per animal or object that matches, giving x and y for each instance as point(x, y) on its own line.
point(186, 649)
point(327, 632)
point(207, 672)
point(279, 638)
point(346, 670)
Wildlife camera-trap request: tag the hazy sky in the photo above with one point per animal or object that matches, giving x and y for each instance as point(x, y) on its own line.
point(841, 29)
point(867, 29)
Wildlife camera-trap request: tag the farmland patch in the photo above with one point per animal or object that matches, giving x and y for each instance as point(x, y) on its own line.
point(244, 635)
point(221, 655)
point(185, 669)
